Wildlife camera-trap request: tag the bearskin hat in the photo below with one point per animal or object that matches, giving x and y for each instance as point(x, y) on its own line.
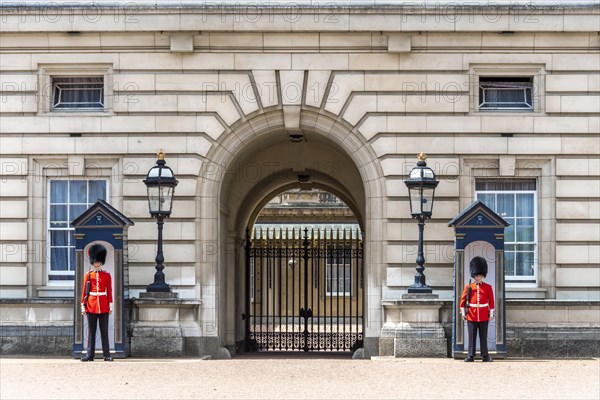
point(97, 252)
point(478, 266)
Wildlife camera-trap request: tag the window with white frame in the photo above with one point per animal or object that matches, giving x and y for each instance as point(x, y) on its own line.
point(516, 202)
point(338, 273)
point(67, 199)
point(77, 93)
point(498, 93)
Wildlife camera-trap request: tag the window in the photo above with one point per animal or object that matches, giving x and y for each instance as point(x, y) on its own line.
point(505, 93)
point(515, 201)
point(67, 200)
point(338, 273)
point(78, 93)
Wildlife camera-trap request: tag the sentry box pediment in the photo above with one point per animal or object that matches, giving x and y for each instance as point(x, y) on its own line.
point(479, 231)
point(478, 215)
point(101, 215)
point(102, 223)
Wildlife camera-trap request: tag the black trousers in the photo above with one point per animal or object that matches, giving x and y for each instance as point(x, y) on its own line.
point(92, 328)
point(482, 327)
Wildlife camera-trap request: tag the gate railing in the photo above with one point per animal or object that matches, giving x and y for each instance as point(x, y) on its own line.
point(304, 290)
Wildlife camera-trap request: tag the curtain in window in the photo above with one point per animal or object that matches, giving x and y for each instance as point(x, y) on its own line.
point(68, 199)
point(494, 94)
point(514, 200)
point(505, 184)
point(78, 92)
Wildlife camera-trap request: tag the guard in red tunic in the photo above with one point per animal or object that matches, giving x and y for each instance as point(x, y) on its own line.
point(478, 309)
point(97, 302)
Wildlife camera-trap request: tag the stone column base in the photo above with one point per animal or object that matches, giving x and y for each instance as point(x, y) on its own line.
point(164, 326)
point(413, 328)
point(413, 340)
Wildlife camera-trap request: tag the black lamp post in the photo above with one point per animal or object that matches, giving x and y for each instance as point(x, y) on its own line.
point(161, 183)
point(421, 184)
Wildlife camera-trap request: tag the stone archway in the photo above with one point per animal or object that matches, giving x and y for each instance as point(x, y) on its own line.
point(254, 161)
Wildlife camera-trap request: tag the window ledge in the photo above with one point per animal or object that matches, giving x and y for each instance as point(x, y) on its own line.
point(525, 293)
point(55, 292)
point(103, 113)
point(508, 112)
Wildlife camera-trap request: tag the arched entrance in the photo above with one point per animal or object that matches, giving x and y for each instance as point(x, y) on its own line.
point(304, 260)
point(256, 161)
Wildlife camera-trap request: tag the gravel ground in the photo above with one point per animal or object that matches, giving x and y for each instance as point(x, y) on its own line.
point(298, 377)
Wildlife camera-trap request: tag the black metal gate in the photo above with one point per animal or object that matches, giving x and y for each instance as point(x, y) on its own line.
point(305, 289)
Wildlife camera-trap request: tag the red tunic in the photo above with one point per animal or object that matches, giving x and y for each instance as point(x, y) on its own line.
point(481, 303)
point(100, 297)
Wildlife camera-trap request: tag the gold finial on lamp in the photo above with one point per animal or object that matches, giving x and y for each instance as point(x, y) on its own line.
point(161, 155)
point(422, 156)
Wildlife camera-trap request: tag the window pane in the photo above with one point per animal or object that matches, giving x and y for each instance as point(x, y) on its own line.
point(68, 277)
point(505, 184)
point(509, 231)
point(525, 206)
point(76, 211)
point(509, 263)
point(58, 191)
point(58, 215)
point(72, 259)
point(525, 231)
point(505, 206)
point(528, 97)
point(524, 264)
point(489, 199)
point(525, 247)
point(78, 92)
point(58, 258)
point(58, 238)
point(348, 279)
point(505, 92)
point(97, 191)
point(78, 192)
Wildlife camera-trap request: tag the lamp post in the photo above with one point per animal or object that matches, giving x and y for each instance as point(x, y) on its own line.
point(161, 183)
point(421, 184)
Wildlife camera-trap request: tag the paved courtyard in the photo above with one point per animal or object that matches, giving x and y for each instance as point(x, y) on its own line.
point(298, 377)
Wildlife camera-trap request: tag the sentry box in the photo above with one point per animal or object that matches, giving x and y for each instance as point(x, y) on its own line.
point(479, 231)
point(103, 224)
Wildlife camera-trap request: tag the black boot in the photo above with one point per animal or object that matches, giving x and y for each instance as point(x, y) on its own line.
point(109, 358)
point(87, 358)
point(469, 359)
point(487, 359)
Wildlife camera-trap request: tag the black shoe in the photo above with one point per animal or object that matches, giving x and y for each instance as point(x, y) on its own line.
point(108, 358)
point(87, 358)
point(469, 359)
point(487, 359)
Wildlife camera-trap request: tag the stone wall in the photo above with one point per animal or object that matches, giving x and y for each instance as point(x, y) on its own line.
point(376, 84)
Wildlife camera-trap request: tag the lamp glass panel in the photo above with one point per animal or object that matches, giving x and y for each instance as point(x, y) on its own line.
point(154, 172)
point(427, 201)
point(415, 200)
point(153, 199)
point(428, 173)
point(166, 197)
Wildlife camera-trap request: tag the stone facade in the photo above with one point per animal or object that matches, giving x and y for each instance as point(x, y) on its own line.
point(222, 89)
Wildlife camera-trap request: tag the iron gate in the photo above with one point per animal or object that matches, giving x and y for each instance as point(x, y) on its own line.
point(305, 289)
